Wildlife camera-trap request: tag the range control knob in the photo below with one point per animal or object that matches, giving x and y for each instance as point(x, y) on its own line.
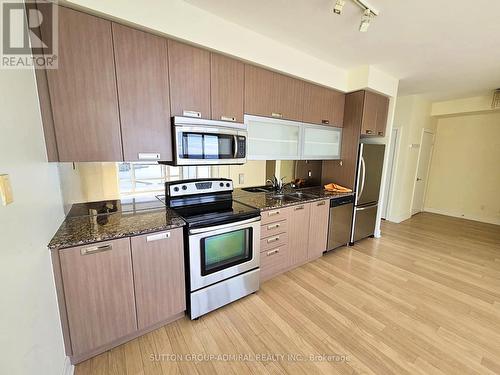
point(176, 188)
point(228, 184)
point(184, 187)
point(221, 184)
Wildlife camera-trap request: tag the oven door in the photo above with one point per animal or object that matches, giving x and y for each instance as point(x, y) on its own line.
point(220, 252)
point(198, 145)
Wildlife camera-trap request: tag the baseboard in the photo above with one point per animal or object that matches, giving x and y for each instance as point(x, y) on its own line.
point(398, 218)
point(68, 368)
point(486, 220)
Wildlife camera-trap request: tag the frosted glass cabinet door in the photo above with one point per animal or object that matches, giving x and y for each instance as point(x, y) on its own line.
point(321, 142)
point(270, 139)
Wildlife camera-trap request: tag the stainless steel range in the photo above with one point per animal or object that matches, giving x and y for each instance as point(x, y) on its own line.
point(222, 243)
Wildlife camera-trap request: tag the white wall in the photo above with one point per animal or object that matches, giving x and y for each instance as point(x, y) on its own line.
point(412, 115)
point(464, 179)
point(30, 333)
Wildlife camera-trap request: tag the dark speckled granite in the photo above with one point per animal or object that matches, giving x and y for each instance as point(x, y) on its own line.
point(86, 229)
point(265, 201)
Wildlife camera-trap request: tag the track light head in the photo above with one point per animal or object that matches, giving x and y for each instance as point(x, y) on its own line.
point(366, 18)
point(339, 6)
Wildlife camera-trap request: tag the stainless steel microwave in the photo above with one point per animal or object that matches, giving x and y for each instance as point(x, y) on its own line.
point(208, 142)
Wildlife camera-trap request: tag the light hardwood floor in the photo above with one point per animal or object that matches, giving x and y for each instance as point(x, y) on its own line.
point(423, 299)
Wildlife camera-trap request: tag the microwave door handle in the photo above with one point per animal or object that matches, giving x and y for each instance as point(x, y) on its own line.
point(235, 146)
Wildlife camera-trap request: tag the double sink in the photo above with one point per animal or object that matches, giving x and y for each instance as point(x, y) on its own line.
point(286, 197)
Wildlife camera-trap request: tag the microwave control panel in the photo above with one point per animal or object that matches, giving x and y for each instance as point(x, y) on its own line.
point(242, 145)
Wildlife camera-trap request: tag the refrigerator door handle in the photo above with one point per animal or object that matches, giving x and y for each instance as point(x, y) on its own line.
point(363, 175)
point(366, 207)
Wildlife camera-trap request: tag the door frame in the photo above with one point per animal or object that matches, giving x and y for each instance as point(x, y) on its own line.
point(433, 133)
point(391, 173)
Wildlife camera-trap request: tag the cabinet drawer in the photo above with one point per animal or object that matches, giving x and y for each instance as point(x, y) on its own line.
point(273, 241)
point(274, 215)
point(272, 229)
point(273, 261)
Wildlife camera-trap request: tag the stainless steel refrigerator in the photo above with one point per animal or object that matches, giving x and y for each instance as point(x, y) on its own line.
point(368, 178)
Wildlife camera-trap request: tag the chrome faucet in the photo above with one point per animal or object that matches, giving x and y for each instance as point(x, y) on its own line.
point(277, 184)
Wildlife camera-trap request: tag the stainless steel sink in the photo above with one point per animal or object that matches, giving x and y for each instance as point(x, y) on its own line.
point(285, 198)
point(301, 195)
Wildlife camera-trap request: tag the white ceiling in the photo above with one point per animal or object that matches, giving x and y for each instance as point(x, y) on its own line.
point(444, 49)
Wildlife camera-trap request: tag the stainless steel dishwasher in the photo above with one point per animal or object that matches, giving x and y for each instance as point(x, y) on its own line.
point(339, 226)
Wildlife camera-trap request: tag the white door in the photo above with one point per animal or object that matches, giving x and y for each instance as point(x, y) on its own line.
point(424, 159)
point(390, 171)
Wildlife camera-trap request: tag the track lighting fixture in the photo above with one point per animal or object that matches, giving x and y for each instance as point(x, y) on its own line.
point(368, 12)
point(339, 5)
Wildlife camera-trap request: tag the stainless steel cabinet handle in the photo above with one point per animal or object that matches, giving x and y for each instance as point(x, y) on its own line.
point(191, 114)
point(299, 208)
point(322, 203)
point(273, 226)
point(148, 156)
point(95, 249)
point(380, 133)
point(273, 239)
point(228, 118)
point(272, 252)
point(157, 237)
point(369, 132)
point(272, 213)
point(326, 122)
point(277, 115)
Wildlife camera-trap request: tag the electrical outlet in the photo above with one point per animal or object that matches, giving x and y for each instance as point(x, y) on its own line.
point(5, 190)
point(241, 178)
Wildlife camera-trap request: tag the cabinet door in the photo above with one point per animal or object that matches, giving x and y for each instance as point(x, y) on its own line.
point(321, 142)
point(338, 109)
point(227, 85)
point(298, 234)
point(83, 90)
point(382, 111)
point(318, 104)
point(99, 293)
point(189, 69)
point(369, 122)
point(272, 140)
point(142, 79)
point(260, 98)
point(289, 94)
point(318, 228)
point(158, 260)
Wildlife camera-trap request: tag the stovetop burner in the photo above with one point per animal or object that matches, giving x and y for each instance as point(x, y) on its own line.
point(206, 202)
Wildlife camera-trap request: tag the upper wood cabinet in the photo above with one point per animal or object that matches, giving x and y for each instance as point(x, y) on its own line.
point(272, 94)
point(323, 106)
point(189, 69)
point(298, 234)
point(99, 294)
point(375, 109)
point(83, 90)
point(143, 92)
point(158, 260)
point(318, 228)
point(382, 113)
point(227, 79)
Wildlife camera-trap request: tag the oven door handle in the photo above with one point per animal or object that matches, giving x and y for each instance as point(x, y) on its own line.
point(224, 226)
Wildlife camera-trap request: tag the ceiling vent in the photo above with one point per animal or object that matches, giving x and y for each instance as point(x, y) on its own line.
point(495, 104)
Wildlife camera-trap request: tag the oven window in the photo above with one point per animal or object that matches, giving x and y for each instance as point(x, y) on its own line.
point(207, 146)
point(225, 250)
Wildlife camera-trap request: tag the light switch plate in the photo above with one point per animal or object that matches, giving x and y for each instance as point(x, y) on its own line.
point(241, 178)
point(5, 190)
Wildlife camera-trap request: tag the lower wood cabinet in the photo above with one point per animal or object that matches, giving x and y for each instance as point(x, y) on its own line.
point(99, 294)
point(318, 229)
point(113, 291)
point(298, 234)
point(158, 276)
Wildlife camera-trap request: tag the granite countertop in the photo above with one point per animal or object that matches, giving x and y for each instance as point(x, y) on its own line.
point(92, 222)
point(265, 201)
